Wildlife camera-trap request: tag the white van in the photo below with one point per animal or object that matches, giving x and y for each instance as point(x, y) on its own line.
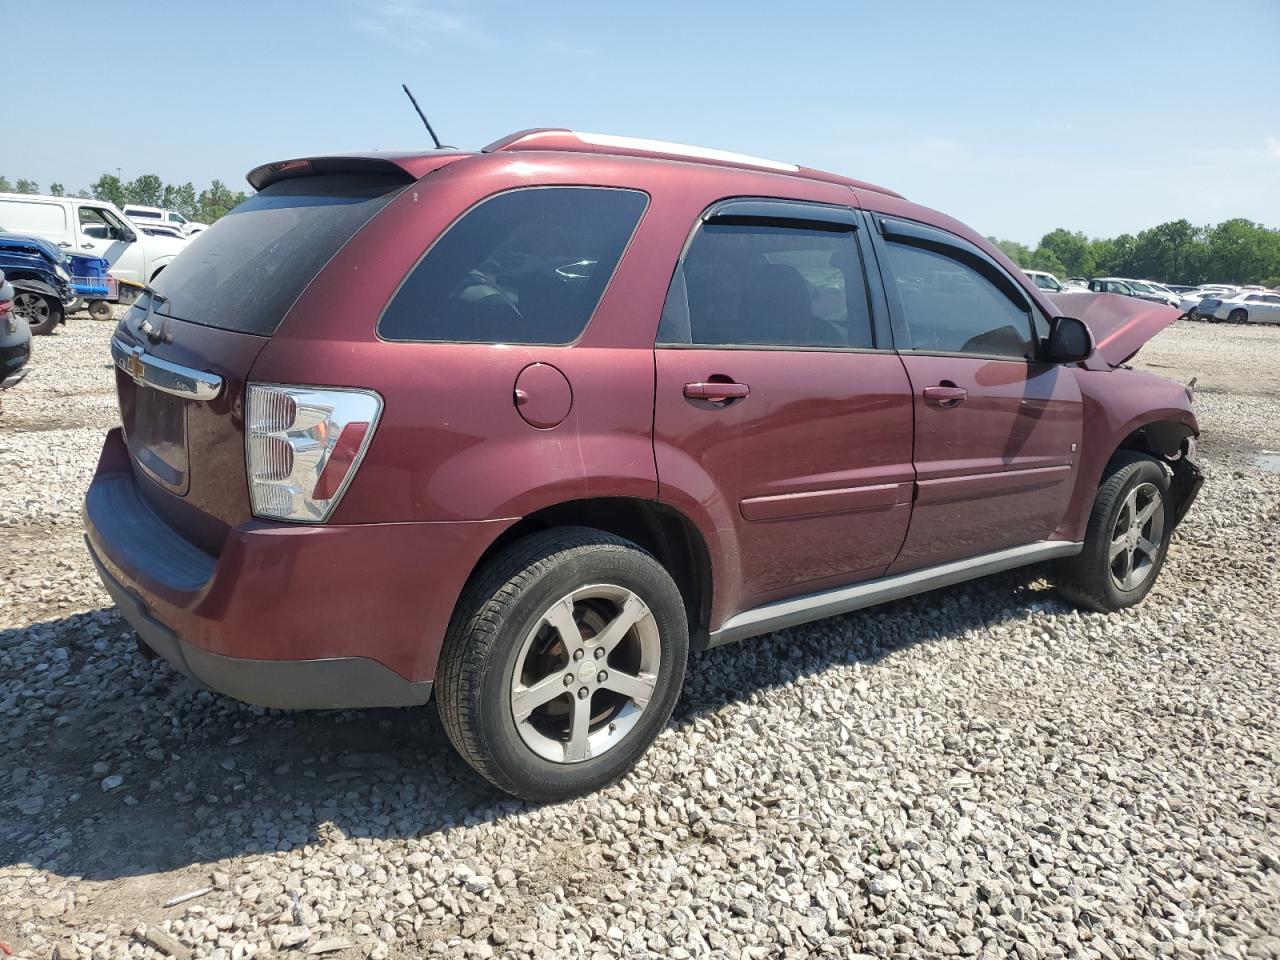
point(91, 228)
point(145, 216)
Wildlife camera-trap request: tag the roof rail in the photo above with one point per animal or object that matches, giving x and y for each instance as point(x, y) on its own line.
point(576, 141)
point(556, 138)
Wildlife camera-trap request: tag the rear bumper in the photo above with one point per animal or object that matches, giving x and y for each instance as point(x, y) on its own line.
point(287, 615)
point(328, 683)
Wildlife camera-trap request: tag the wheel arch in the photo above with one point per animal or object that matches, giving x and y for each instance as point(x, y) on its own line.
point(1173, 443)
point(1160, 438)
point(1167, 435)
point(673, 539)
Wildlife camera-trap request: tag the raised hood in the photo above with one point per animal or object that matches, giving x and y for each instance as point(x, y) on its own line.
point(1120, 324)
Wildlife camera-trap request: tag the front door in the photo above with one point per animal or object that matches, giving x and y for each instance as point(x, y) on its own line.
point(997, 429)
point(99, 232)
point(775, 413)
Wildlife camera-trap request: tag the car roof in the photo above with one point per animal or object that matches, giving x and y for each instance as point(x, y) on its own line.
point(557, 139)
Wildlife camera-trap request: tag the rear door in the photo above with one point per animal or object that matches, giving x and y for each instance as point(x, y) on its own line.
point(775, 405)
point(997, 428)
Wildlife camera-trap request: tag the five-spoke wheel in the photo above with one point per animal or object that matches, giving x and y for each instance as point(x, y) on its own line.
point(563, 662)
point(585, 673)
point(1138, 536)
point(1127, 537)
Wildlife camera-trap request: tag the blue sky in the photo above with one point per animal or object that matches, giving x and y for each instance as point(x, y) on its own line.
point(1013, 116)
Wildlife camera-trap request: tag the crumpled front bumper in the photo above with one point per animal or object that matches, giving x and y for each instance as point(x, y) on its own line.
point(1188, 478)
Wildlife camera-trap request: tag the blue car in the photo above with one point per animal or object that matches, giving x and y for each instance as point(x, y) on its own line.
point(41, 280)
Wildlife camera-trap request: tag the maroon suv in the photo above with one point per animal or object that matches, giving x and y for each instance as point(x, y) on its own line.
point(526, 426)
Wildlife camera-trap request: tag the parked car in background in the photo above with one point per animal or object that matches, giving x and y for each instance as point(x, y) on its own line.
point(15, 338)
point(1171, 297)
point(1180, 288)
point(1046, 281)
point(161, 230)
point(157, 215)
point(92, 228)
point(1247, 306)
point(1149, 290)
point(1111, 285)
point(1129, 288)
point(728, 421)
point(38, 273)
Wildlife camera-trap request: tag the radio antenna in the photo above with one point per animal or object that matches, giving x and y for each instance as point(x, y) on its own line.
point(434, 138)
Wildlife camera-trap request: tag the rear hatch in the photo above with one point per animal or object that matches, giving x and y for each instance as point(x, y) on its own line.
point(184, 351)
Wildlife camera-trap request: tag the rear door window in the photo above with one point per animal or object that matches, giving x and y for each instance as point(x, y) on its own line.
point(526, 266)
point(246, 270)
point(762, 285)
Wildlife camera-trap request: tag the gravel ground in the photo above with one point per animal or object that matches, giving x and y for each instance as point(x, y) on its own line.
point(977, 772)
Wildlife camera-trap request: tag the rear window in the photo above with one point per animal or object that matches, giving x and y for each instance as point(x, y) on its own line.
point(246, 271)
point(527, 266)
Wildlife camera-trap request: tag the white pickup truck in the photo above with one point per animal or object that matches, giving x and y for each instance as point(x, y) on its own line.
point(91, 228)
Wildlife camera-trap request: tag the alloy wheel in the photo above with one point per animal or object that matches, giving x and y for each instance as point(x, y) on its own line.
point(31, 307)
point(1136, 537)
point(585, 673)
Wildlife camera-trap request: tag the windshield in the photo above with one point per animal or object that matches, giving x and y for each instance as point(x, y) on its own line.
point(246, 271)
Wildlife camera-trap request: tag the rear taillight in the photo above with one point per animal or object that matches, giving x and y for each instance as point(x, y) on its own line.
point(303, 445)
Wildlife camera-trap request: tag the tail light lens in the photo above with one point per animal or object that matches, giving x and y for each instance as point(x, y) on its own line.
point(303, 445)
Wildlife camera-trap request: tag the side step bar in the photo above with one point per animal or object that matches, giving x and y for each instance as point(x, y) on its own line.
point(830, 603)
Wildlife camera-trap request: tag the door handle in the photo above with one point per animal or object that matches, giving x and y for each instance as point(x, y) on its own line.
point(63, 244)
point(87, 246)
point(717, 392)
point(945, 394)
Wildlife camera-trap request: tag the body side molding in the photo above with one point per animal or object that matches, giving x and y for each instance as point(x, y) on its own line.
point(829, 603)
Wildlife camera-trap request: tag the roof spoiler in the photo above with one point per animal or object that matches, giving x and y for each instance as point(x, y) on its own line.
point(409, 166)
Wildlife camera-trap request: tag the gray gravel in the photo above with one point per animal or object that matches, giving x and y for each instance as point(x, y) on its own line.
point(979, 772)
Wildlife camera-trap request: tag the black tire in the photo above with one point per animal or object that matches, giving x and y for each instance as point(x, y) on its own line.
point(100, 310)
point(43, 313)
point(1089, 579)
point(1238, 316)
point(503, 606)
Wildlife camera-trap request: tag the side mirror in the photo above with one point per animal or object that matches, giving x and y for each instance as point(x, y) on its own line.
point(1070, 340)
point(126, 235)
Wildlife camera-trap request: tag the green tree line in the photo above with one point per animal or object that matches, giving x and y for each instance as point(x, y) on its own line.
point(1234, 251)
point(204, 206)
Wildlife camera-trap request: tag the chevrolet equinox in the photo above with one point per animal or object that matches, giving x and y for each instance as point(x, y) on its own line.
point(521, 428)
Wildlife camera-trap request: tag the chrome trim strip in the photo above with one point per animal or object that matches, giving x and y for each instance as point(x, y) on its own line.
point(164, 375)
point(830, 603)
